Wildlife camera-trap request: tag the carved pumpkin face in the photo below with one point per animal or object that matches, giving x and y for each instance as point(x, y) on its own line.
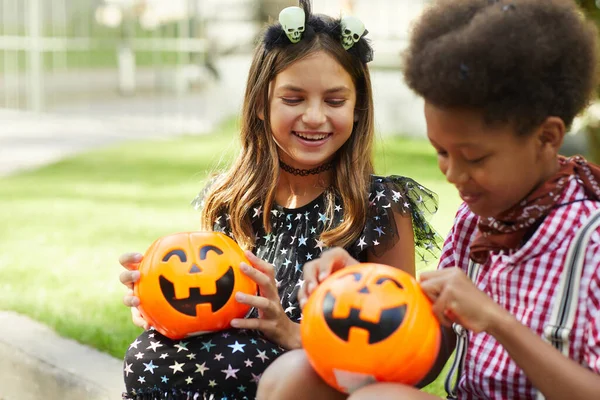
point(188, 282)
point(370, 323)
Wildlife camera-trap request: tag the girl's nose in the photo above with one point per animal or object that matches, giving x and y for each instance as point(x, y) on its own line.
point(314, 115)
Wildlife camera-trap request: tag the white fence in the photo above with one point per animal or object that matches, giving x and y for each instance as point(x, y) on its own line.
point(47, 45)
point(52, 50)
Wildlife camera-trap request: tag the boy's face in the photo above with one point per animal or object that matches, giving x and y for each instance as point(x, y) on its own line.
point(492, 167)
point(312, 110)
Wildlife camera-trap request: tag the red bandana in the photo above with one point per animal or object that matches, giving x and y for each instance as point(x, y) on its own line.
point(507, 230)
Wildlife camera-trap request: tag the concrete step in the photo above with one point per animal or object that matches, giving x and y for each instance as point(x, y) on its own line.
point(36, 363)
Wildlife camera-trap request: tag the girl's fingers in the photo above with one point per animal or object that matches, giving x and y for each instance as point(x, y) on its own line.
point(303, 294)
point(313, 273)
point(316, 271)
point(248, 323)
point(130, 260)
point(138, 320)
point(264, 282)
point(128, 278)
point(130, 300)
point(259, 302)
point(310, 271)
point(260, 264)
point(333, 260)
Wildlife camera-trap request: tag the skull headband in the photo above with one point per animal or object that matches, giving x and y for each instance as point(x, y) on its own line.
point(297, 23)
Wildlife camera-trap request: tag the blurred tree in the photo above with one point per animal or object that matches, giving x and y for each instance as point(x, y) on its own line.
point(592, 9)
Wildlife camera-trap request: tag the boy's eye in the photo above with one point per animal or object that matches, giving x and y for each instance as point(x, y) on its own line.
point(476, 160)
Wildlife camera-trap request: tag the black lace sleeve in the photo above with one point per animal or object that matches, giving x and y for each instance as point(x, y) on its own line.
point(198, 201)
point(402, 195)
point(221, 224)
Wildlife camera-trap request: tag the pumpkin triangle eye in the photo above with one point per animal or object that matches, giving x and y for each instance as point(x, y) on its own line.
point(195, 269)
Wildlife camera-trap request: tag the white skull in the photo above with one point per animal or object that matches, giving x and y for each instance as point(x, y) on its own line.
point(292, 21)
point(352, 30)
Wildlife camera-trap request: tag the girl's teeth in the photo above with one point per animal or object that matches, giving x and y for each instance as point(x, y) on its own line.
point(318, 137)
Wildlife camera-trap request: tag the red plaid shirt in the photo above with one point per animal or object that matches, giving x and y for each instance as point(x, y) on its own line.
point(525, 282)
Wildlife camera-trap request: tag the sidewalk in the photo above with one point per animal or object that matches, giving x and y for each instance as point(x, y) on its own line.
point(29, 140)
point(36, 363)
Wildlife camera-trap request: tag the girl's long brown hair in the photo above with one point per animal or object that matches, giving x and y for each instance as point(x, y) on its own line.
point(252, 179)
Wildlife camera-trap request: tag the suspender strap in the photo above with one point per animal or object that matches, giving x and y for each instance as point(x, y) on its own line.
point(557, 332)
point(462, 342)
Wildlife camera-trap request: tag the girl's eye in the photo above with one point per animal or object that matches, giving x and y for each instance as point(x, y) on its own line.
point(336, 102)
point(291, 100)
point(442, 153)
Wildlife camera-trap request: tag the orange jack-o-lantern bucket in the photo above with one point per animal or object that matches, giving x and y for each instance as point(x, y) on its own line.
point(188, 282)
point(370, 323)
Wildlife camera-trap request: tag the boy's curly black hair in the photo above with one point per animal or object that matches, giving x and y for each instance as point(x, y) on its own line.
point(518, 61)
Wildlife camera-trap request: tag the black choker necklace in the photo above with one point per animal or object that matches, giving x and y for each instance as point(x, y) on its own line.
point(304, 172)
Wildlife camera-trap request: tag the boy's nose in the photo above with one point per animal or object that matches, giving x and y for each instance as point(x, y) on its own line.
point(454, 174)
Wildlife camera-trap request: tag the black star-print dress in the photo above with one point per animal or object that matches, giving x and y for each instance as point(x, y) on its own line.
point(227, 365)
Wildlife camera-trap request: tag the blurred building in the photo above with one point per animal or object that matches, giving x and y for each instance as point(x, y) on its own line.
point(127, 56)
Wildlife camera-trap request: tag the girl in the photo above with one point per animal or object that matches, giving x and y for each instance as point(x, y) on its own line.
point(502, 81)
point(301, 183)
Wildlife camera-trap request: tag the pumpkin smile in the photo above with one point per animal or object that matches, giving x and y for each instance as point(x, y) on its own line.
point(187, 306)
point(389, 321)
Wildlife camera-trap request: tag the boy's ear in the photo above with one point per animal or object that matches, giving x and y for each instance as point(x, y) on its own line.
point(552, 133)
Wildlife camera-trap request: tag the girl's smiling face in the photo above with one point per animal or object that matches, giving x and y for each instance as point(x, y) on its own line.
point(312, 106)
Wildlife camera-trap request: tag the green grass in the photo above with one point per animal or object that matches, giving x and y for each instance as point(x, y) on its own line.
point(63, 226)
point(16, 61)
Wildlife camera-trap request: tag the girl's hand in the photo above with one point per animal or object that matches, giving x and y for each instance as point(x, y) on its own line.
point(456, 299)
point(272, 320)
point(318, 270)
point(131, 261)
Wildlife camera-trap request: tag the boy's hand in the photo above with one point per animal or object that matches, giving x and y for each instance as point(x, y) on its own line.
point(318, 270)
point(456, 299)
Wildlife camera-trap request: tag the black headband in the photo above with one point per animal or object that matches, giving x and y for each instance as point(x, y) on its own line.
point(296, 24)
